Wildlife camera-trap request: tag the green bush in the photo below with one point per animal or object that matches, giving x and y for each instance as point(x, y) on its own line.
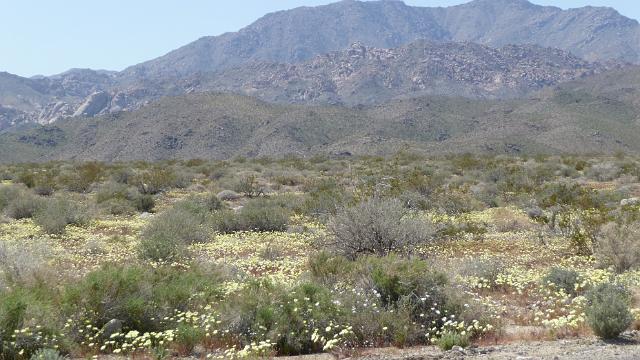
point(287, 317)
point(81, 178)
point(450, 339)
point(8, 193)
point(158, 179)
point(119, 199)
point(248, 186)
point(139, 297)
point(168, 234)
point(55, 214)
point(608, 312)
point(563, 279)
point(47, 354)
point(24, 205)
point(377, 227)
point(26, 307)
point(256, 215)
point(393, 299)
point(619, 246)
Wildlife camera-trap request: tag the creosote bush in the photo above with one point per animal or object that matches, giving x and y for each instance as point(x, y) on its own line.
point(257, 215)
point(377, 227)
point(21, 203)
point(138, 296)
point(168, 234)
point(56, 213)
point(619, 246)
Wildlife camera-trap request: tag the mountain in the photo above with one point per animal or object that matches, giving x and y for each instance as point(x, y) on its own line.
point(358, 75)
point(593, 33)
point(365, 75)
point(298, 56)
point(600, 114)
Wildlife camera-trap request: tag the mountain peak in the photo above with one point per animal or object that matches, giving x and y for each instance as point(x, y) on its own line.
point(502, 3)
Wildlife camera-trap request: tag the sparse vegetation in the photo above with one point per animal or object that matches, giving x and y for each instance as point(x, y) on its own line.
point(398, 251)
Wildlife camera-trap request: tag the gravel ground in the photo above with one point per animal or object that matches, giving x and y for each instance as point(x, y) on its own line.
point(628, 348)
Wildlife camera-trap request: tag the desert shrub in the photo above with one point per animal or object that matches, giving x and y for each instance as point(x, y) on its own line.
point(605, 171)
point(139, 297)
point(454, 202)
point(263, 215)
point(120, 199)
point(167, 235)
point(158, 179)
point(47, 354)
point(567, 194)
point(323, 197)
point(248, 186)
point(486, 270)
point(118, 207)
point(393, 300)
point(24, 205)
point(608, 312)
point(509, 220)
point(256, 215)
point(455, 229)
point(22, 266)
point(378, 227)
point(619, 246)
point(450, 339)
point(8, 193)
point(41, 181)
point(564, 279)
point(287, 317)
point(80, 178)
point(144, 203)
point(188, 337)
point(22, 308)
point(228, 195)
point(55, 214)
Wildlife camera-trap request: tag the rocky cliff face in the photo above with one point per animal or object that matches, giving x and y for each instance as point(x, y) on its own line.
point(366, 75)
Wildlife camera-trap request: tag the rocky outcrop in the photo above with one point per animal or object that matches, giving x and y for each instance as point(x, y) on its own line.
point(364, 75)
point(94, 104)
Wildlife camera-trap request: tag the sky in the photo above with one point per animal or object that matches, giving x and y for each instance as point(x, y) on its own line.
point(48, 37)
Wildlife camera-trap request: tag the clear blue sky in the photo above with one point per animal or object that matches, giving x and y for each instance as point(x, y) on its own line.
point(48, 37)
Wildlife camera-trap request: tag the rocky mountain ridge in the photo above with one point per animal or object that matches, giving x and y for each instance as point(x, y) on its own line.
point(355, 76)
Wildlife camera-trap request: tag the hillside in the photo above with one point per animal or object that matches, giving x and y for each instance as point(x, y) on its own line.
point(595, 115)
point(365, 75)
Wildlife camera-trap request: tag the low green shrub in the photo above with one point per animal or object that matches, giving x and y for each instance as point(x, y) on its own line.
point(139, 297)
point(24, 205)
point(55, 214)
point(619, 246)
point(256, 215)
point(377, 227)
point(286, 317)
point(563, 279)
point(120, 199)
point(168, 234)
point(450, 339)
point(47, 354)
point(608, 313)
